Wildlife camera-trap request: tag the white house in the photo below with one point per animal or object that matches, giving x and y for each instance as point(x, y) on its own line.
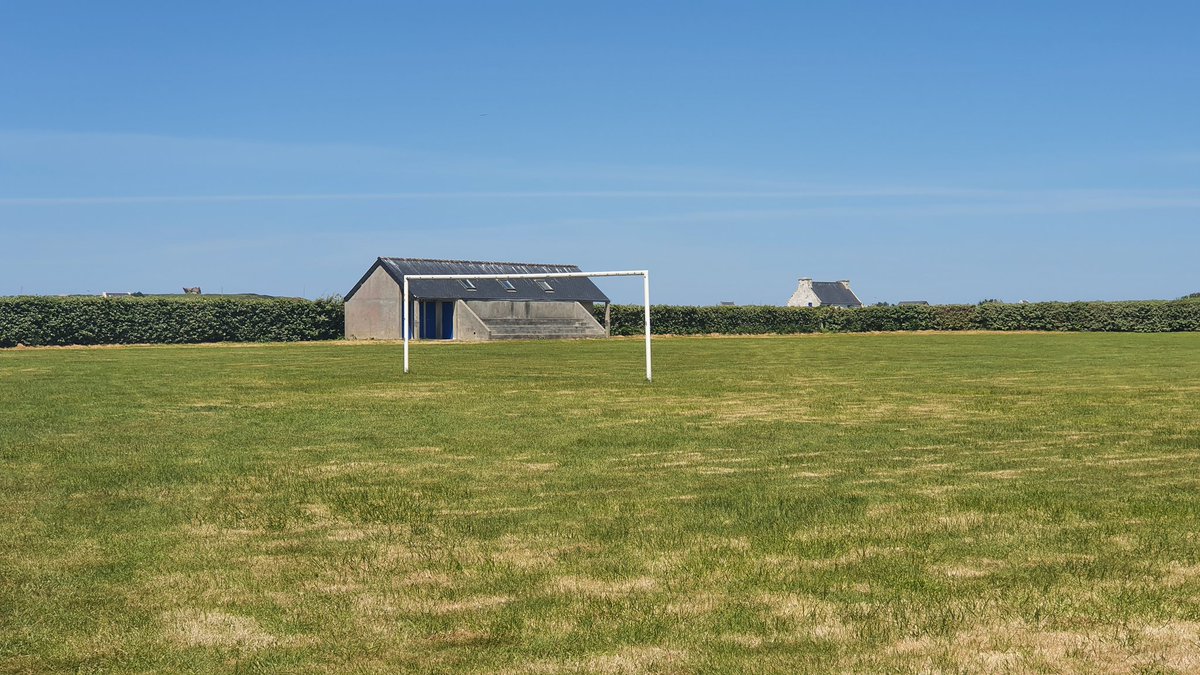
point(811, 293)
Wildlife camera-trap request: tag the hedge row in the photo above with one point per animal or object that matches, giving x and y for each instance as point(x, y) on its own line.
point(40, 320)
point(1134, 317)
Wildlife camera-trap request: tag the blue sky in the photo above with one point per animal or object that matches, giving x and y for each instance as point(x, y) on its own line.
point(942, 151)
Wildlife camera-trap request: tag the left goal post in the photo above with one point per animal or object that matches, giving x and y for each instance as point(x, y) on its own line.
point(644, 274)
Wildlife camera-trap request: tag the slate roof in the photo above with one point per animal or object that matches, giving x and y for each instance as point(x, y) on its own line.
point(580, 289)
point(834, 293)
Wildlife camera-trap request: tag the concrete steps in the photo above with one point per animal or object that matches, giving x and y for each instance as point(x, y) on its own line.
point(540, 329)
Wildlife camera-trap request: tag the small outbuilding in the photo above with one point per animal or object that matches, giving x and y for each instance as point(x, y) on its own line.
point(472, 309)
point(811, 293)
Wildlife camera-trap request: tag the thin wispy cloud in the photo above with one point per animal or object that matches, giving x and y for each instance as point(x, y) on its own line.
point(933, 201)
point(1064, 202)
point(824, 193)
point(171, 166)
point(153, 157)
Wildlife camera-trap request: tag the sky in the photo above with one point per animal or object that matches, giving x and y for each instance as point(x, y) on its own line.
point(940, 151)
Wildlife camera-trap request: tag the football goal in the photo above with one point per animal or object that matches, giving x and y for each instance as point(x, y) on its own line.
point(644, 274)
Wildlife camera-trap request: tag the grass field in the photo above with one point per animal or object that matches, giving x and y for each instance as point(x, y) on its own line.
point(966, 502)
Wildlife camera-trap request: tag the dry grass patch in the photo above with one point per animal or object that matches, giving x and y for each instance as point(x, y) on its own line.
point(1007, 474)
point(1179, 574)
point(974, 568)
point(526, 555)
point(212, 628)
point(459, 637)
point(374, 468)
point(719, 470)
point(960, 521)
point(685, 459)
point(211, 531)
point(765, 409)
point(849, 558)
point(596, 588)
point(471, 604)
point(963, 572)
point(539, 467)
point(206, 586)
point(812, 617)
point(746, 641)
point(1019, 647)
point(638, 660)
point(410, 392)
point(813, 474)
point(732, 543)
point(383, 610)
point(348, 534)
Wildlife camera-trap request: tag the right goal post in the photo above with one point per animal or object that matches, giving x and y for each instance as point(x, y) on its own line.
point(644, 274)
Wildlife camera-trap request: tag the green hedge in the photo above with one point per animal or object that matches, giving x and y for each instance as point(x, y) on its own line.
point(1139, 317)
point(41, 320)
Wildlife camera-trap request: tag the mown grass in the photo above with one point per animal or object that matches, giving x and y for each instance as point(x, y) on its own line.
point(897, 502)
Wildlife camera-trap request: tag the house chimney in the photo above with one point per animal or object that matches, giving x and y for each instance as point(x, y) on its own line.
point(806, 281)
point(844, 282)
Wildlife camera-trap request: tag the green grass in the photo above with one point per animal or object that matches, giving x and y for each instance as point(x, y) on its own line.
point(892, 502)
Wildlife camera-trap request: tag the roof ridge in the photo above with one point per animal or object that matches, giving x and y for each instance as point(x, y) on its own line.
point(478, 262)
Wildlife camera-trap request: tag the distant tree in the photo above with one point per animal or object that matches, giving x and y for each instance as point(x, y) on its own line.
point(991, 301)
point(1191, 296)
point(883, 304)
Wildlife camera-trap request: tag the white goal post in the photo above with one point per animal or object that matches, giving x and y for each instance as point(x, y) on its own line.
point(644, 274)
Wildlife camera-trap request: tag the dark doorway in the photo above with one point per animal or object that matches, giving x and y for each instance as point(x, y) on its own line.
point(447, 321)
point(436, 319)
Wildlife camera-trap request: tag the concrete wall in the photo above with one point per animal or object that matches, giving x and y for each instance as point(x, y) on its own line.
point(526, 309)
point(467, 325)
point(373, 313)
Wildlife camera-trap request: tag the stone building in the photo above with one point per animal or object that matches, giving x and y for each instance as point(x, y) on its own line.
point(811, 293)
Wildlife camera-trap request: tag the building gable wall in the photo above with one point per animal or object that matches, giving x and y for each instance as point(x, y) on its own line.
point(373, 312)
point(804, 296)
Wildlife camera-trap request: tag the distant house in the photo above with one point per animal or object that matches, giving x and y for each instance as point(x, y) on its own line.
point(811, 293)
point(471, 309)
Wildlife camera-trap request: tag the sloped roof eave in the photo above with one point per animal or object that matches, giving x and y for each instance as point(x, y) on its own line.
point(565, 289)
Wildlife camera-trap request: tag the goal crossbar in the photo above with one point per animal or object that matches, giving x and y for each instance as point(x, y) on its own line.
point(644, 274)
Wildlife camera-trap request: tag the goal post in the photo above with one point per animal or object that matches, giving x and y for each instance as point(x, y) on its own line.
point(644, 274)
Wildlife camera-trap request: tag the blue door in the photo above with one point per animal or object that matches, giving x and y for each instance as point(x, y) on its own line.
point(447, 321)
point(436, 319)
point(428, 325)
